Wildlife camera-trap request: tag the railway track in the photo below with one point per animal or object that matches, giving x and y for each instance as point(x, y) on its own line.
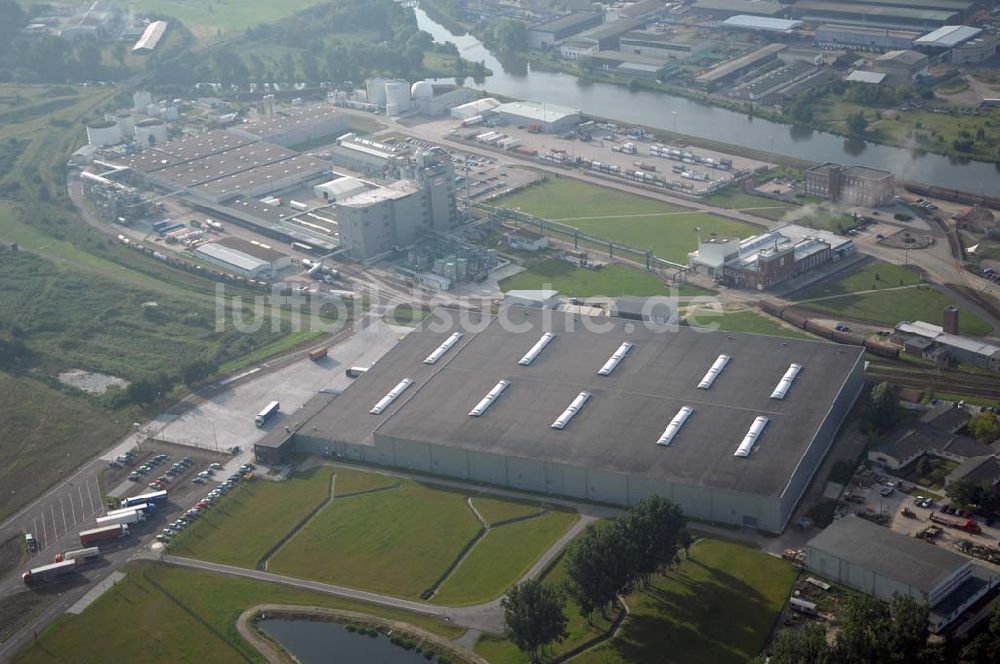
point(943, 380)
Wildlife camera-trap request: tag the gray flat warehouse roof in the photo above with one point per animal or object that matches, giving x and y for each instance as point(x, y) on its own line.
point(876, 548)
point(618, 428)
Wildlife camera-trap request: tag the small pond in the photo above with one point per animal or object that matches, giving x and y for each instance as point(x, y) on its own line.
point(314, 642)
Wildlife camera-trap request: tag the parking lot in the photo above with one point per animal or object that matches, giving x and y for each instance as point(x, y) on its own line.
point(61, 515)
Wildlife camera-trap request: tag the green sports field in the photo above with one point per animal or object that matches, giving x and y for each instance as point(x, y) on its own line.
point(637, 221)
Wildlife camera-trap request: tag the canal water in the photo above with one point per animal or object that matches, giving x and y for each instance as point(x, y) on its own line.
point(664, 111)
point(314, 642)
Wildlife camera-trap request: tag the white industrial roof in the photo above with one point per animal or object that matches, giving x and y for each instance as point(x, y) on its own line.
point(397, 190)
point(232, 256)
point(859, 76)
point(765, 23)
point(937, 333)
point(948, 36)
point(342, 185)
point(536, 111)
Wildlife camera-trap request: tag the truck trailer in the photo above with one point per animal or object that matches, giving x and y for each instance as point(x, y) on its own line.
point(103, 534)
point(131, 516)
point(319, 353)
point(47, 573)
point(264, 415)
point(141, 507)
point(80, 555)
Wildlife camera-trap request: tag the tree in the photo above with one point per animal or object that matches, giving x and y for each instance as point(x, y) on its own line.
point(534, 616)
point(802, 646)
point(884, 407)
point(686, 540)
point(857, 123)
point(966, 492)
point(984, 427)
point(599, 565)
point(925, 466)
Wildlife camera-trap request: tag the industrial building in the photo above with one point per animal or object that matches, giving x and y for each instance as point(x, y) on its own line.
point(767, 24)
point(935, 434)
point(574, 49)
point(340, 188)
point(645, 10)
point(873, 14)
point(728, 71)
point(865, 77)
point(546, 35)
point(853, 185)
point(864, 37)
point(727, 8)
point(900, 67)
point(606, 37)
point(367, 156)
point(295, 126)
point(150, 38)
point(766, 260)
point(548, 118)
point(663, 45)
point(473, 108)
point(974, 51)
point(729, 426)
point(945, 345)
point(243, 258)
point(883, 563)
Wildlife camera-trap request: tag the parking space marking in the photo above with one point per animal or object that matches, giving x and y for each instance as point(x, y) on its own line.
point(45, 534)
point(91, 497)
point(83, 510)
point(62, 507)
point(55, 528)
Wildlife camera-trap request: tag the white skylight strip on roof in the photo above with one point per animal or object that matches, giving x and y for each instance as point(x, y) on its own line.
point(393, 394)
point(571, 411)
point(713, 373)
point(615, 359)
point(488, 400)
point(786, 381)
point(750, 439)
point(443, 348)
point(540, 345)
point(675, 425)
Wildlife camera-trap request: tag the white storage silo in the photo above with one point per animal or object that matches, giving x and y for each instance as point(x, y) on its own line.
point(141, 100)
point(150, 132)
point(103, 133)
point(421, 90)
point(376, 91)
point(126, 125)
point(397, 96)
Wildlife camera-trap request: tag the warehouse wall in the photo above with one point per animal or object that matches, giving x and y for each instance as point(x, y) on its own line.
point(860, 578)
point(821, 443)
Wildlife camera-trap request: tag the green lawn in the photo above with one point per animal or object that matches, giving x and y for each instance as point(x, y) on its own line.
point(256, 514)
point(886, 306)
point(494, 510)
point(717, 607)
point(611, 280)
point(353, 481)
point(746, 321)
point(737, 199)
point(502, 557)
point(397, 542)
point(637, 221)
point(166, 614)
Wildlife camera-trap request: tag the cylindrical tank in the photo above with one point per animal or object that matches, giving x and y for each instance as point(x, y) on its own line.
point(397, 93)
point(392, 109)
point(152, 131)
point(126, 124)
point(141, 99)
point(421, 90)
point(103, 133)
point(376, 91)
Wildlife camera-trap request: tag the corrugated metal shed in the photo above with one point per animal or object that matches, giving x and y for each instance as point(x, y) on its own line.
point(765, 23)
point(948, 36)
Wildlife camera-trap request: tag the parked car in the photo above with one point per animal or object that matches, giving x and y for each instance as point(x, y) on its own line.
point(886, 491)
point(199, 480)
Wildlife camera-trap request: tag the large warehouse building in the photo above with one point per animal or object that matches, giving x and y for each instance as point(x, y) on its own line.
point(730, 426)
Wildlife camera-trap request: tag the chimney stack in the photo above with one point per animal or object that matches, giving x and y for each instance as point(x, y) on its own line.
point(951, 319)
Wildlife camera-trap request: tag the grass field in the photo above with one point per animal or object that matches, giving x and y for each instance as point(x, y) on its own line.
point(899, 296)
point(493, 510)
point(166, 614)
point(746, 321)
point(640, 222)
point(46, 433)
point(611, 280)
point(717, 607)
point(736, 199)
point(502, 557)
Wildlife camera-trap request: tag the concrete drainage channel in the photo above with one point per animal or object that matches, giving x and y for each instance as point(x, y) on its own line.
point(262, 563)
point(477, 538)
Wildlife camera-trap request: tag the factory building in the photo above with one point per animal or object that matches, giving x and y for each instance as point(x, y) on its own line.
point(242, 258)
point(900, 67)
point(864, 38)
point(544, 36)
point(574, 49)
point(606, 37)
point(730, 426)
point(763, 24)
point(766, 260)
point(974, 51)
point(883, 563)
point(365, 155)
point(150, 38)
point(295, 126)
point(663, 45)
point(727, 8)
point(733, 69)
point(963, 44)
point(853, 185)
point(645, 10)
point(473, 108)
point(548, 118)
point(873, 14)
point(945, 345)
point(339, 188)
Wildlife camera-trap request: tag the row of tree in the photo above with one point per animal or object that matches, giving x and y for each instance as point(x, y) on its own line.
point(609, 560)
